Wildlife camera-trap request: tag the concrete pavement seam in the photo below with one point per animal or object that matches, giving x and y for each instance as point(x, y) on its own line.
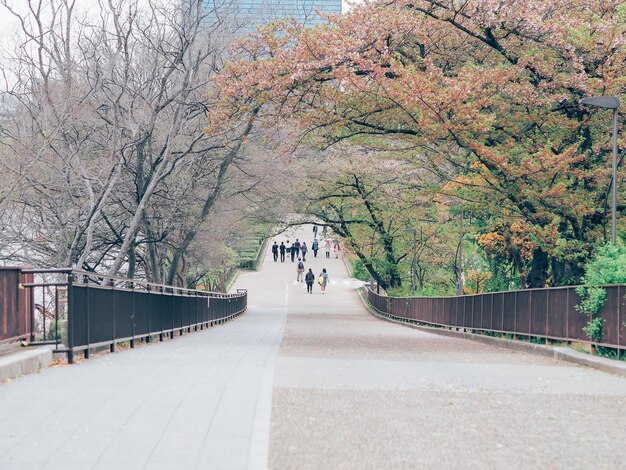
point(557, 353)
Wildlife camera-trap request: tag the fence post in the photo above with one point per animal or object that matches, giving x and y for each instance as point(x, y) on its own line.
point(530, 313)
point(132, 315)
point(515, 315)
point(86, 351)
point(567, 313)
point(112, 286)
point(618, 326)
point(70, 318)
point(547, 307)
point(32, 312)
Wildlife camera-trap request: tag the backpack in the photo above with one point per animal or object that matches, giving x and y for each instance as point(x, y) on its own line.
point(300, 265)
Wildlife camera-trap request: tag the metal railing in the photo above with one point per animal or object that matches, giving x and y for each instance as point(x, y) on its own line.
point(534, 313)
point(86, 310)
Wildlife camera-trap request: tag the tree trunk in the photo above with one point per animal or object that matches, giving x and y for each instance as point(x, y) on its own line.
point(539, 269)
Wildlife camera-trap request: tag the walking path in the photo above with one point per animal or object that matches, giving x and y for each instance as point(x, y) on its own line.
point(312, 381)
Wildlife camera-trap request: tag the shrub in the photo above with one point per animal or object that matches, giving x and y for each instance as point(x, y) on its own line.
point(608, 266)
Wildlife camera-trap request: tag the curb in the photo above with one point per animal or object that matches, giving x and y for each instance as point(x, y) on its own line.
point(558, 353)
point(25, 362)
point(261, 255)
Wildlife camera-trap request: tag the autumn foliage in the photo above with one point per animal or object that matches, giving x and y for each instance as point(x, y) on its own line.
point(484, 93)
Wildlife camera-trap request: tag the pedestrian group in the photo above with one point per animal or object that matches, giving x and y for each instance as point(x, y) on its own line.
point(298, 251)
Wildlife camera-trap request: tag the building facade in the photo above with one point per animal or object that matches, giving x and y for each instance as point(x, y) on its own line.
point(255, 12)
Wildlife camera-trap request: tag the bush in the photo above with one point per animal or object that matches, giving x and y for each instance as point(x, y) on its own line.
point(52, 334)
point(360, 272)
point(608, 266)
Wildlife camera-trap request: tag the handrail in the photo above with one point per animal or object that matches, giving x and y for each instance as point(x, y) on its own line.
point(84, 309)
point(504, 291)
point(147, 284)
point(548, 313)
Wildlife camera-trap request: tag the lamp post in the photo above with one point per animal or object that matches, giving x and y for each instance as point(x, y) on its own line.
point(609, 102)
point(414, 232)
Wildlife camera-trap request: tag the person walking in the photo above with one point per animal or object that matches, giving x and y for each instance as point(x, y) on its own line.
point(309, 279)
point(323, 280)
point(287, 248)
point(327, 248)
point(315, 247)
point(300, 271)
point(337, 249)
point(293, 252)
point(304, 250)
point(314, 231)
point(275, 251)
point(297, 245)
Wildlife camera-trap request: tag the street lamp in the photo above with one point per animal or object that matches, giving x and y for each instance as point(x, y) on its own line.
point(414, 232)
point(609, 102)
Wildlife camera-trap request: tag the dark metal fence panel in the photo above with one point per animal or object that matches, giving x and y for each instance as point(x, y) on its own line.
point(575, 320)
point(124, 305)
point(458, 311)
point(155, 313)
point(497, 312)
point(487, 304)
point(508, 322)
point(101, 327)
point(608, 313)
point(141, 319)
point(557, 312)
point(468, 307)
point(522, 317)
point(79, 316)
point(539, 312)
point(185, 309)
point(476, 311)
point(101, 309)
point(167, 301)
point(177, 308)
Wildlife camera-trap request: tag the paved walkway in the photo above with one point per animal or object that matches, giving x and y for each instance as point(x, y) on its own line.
point(313, 381)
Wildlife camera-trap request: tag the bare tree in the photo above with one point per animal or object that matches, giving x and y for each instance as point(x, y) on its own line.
point(105, 128)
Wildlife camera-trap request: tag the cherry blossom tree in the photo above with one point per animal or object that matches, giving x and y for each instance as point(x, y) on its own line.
point(487, 91)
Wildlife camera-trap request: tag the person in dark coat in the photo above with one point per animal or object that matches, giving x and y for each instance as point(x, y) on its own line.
point(282, 249)
point(309, 279)
point(315, 247)
point(275, 251)
point(297, 246)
